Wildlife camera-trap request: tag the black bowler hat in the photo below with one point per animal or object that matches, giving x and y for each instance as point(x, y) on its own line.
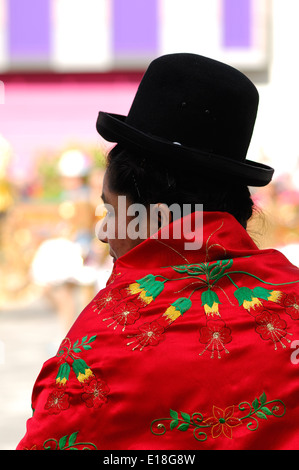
point(192, 111)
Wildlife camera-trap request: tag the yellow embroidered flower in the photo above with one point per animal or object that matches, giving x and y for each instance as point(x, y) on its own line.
point(177, 308)
point(210, 302)
point(134, 288)
point(147, 288)
point(146, 298)
point(253, 303)
point(248, 298)
point(82, 377)
point(275, 296)
point(63, 374)
point(61, 381)
point(81, 369)
point(213, 310)
point(172, 313)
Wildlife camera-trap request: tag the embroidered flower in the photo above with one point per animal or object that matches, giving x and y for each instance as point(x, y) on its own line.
point(112, 277)
point(147, 288)
point(252, 298)
point(271, 327)
point(247, 298)
point(82, 371)
point(95, 393)
point(222, 421)
point(63, 374)
point(124, 314)
point(177, 308)
point(266, 294)
point(107, 301)
point(291, 304)
point(57, 401)
point(210, 302)
point(151, 334)
point(215, 335)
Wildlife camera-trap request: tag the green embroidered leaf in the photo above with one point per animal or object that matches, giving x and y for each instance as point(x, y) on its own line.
point(86, 346)
point(255, 404)
point(73, 438)
point(214, 270)
point(173, 424)
point(84, 339)
point(183, 427)
point(179, 269)
point(192, 269)
point(182, 304)
point(174, 414)
point(208, 297)
point(75, 343)
point(263, 398)
point(261, 293)
point(186, 417)
point(266, 411)
point(242, 294)
point(261, 415)
point(77, 350)
point(228, 264)
point(62, 442)
point(92, 338)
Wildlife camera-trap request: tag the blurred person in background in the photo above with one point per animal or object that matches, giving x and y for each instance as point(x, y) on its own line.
point(64, 265)
point(193, 342)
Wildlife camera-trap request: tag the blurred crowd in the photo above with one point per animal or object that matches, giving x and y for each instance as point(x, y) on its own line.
point(48, 245)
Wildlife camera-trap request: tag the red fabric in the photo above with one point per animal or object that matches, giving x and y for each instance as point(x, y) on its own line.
point(182, 350)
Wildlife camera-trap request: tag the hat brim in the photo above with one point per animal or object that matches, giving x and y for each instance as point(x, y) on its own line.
point(113, 128)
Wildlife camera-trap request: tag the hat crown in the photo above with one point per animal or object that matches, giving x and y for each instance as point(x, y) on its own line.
point(197, 102)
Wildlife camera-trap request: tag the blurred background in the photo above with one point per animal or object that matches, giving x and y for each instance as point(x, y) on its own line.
point(61, 62)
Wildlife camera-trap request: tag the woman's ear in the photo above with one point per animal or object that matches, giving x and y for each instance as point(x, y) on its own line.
point(161, 215)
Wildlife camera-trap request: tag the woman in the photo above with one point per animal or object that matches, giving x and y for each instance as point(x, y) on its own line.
point(192, 344)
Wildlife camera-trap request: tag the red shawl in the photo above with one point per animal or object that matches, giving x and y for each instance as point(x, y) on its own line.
point(183, 349)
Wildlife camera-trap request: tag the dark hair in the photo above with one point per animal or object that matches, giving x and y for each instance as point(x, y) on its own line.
point(147, 180)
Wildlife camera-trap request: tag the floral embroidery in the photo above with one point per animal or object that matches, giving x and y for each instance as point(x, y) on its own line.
point(95, 393)
point(177, 308)
point(124, 314)
point(112, 277)
point(150, 335)
point(272, 327)
point(210, 302)
point(215, 335)
point(124, 309)
point(125, 305)
point(251, 298)
point(58, 401)
point(291, 304)
point(82, 370)
point(68, 443)
point(68, 352)
point(247, 299)
point(95, 390)
point(147, 288)
point(223, 422)
point(108, 300)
